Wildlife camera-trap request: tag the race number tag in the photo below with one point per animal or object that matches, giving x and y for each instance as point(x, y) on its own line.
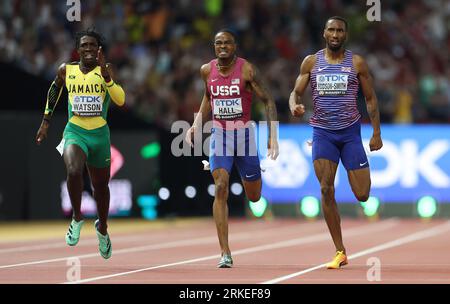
point(332, 84)
point(229, 108)
point(87, 105)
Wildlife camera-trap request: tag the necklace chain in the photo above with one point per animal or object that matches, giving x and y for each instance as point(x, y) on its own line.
point(221, 67)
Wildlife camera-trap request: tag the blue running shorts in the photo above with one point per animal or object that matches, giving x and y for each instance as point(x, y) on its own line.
point(345, 144)
point(235, 146)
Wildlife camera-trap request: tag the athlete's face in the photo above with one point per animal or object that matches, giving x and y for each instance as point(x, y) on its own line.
point(88, 49)
point(335, 34)
point(224, 45)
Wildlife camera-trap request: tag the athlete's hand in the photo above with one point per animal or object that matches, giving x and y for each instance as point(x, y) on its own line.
point(273, 149)
point(42, 132)
point(298, 110)
point(189, 135)
point(375, 143)
point(102, 63)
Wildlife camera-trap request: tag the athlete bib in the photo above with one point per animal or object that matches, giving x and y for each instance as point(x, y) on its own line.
point(227, 108)
point(332, 84)
point(89, 106)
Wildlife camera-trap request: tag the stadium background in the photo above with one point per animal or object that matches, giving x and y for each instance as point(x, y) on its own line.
point(158, 48)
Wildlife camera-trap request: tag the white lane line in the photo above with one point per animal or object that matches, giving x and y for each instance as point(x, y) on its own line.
point(388, 224)
point(391, 244)
point(93, 240)
point(174, 244)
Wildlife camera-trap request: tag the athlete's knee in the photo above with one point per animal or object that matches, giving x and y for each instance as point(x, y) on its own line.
point(221, 189)
point(254, 196)
point(362, 196)
point(327, 192)
point(74, 170)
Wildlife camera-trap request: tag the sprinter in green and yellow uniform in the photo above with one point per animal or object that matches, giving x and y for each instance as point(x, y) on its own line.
point(91, 87)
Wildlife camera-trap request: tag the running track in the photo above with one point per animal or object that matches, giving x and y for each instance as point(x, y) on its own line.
point(276, 251)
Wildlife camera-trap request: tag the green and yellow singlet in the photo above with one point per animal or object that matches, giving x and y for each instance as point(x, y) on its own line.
point(88, 99)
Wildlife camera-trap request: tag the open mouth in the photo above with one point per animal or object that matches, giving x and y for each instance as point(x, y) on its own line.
point(89, 56)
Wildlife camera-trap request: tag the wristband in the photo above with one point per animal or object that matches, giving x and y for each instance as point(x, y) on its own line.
point(110, 83)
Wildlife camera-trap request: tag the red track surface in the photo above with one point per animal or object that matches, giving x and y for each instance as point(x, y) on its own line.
point(264, 251)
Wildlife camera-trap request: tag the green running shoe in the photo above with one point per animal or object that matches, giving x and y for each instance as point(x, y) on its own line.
point(104, 243)
point(226, 261)
point(73, 235)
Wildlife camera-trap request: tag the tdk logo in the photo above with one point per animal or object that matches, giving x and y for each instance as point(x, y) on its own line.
point(333, 78)
point(225, 90)
point(87, 99)
point(227, 102)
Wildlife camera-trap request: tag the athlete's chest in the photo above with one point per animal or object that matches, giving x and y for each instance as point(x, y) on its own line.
point(86, 92)
point(333, 80)
point(84, 83)
point(231, 86)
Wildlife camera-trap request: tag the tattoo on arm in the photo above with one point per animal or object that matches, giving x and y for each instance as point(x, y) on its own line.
point(261, 90)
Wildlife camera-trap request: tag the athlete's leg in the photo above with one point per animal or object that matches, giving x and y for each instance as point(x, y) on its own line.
point(248, 165)
point(74, 159)
point(326, 171)
point(355, 161)
point(100, 181)
point(360, 182)
point(220, 207)
point(253, 189)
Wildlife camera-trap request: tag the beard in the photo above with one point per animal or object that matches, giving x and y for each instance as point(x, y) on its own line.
point(334, 48)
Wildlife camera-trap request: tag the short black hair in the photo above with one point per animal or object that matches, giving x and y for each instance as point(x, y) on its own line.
point(92, 33)
point(229, 31)
point(338, 18)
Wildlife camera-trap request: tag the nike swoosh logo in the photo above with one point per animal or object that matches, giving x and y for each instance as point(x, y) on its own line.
point(362, 164)
point(212, 80)
point(321, 69)
point(249, 176)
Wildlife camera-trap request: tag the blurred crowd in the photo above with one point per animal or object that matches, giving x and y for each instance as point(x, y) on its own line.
point(158, 47)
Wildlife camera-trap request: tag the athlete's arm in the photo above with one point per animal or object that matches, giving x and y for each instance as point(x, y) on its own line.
point(115, 90)
point(53, 96)
point(295, 105)
point(205, 107)
point(365, 79)
point(253, 76)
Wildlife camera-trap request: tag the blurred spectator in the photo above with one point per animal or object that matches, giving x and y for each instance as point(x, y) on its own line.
point(159, 46)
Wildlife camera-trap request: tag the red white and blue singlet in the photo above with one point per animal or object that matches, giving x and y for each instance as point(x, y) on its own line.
point(334, 92)
point(230, 100)
point(336, 119)
point(233, 135)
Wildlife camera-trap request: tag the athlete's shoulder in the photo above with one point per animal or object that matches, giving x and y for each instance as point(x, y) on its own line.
point(310, 59)
point(357, 58)
point(205, 69)
point(309, 62)
point(247, 65)
point(359, 62)
point(249, 70)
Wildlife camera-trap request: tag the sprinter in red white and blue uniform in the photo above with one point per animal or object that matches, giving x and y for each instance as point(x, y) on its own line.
point(335, 75)
point(230, 82)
